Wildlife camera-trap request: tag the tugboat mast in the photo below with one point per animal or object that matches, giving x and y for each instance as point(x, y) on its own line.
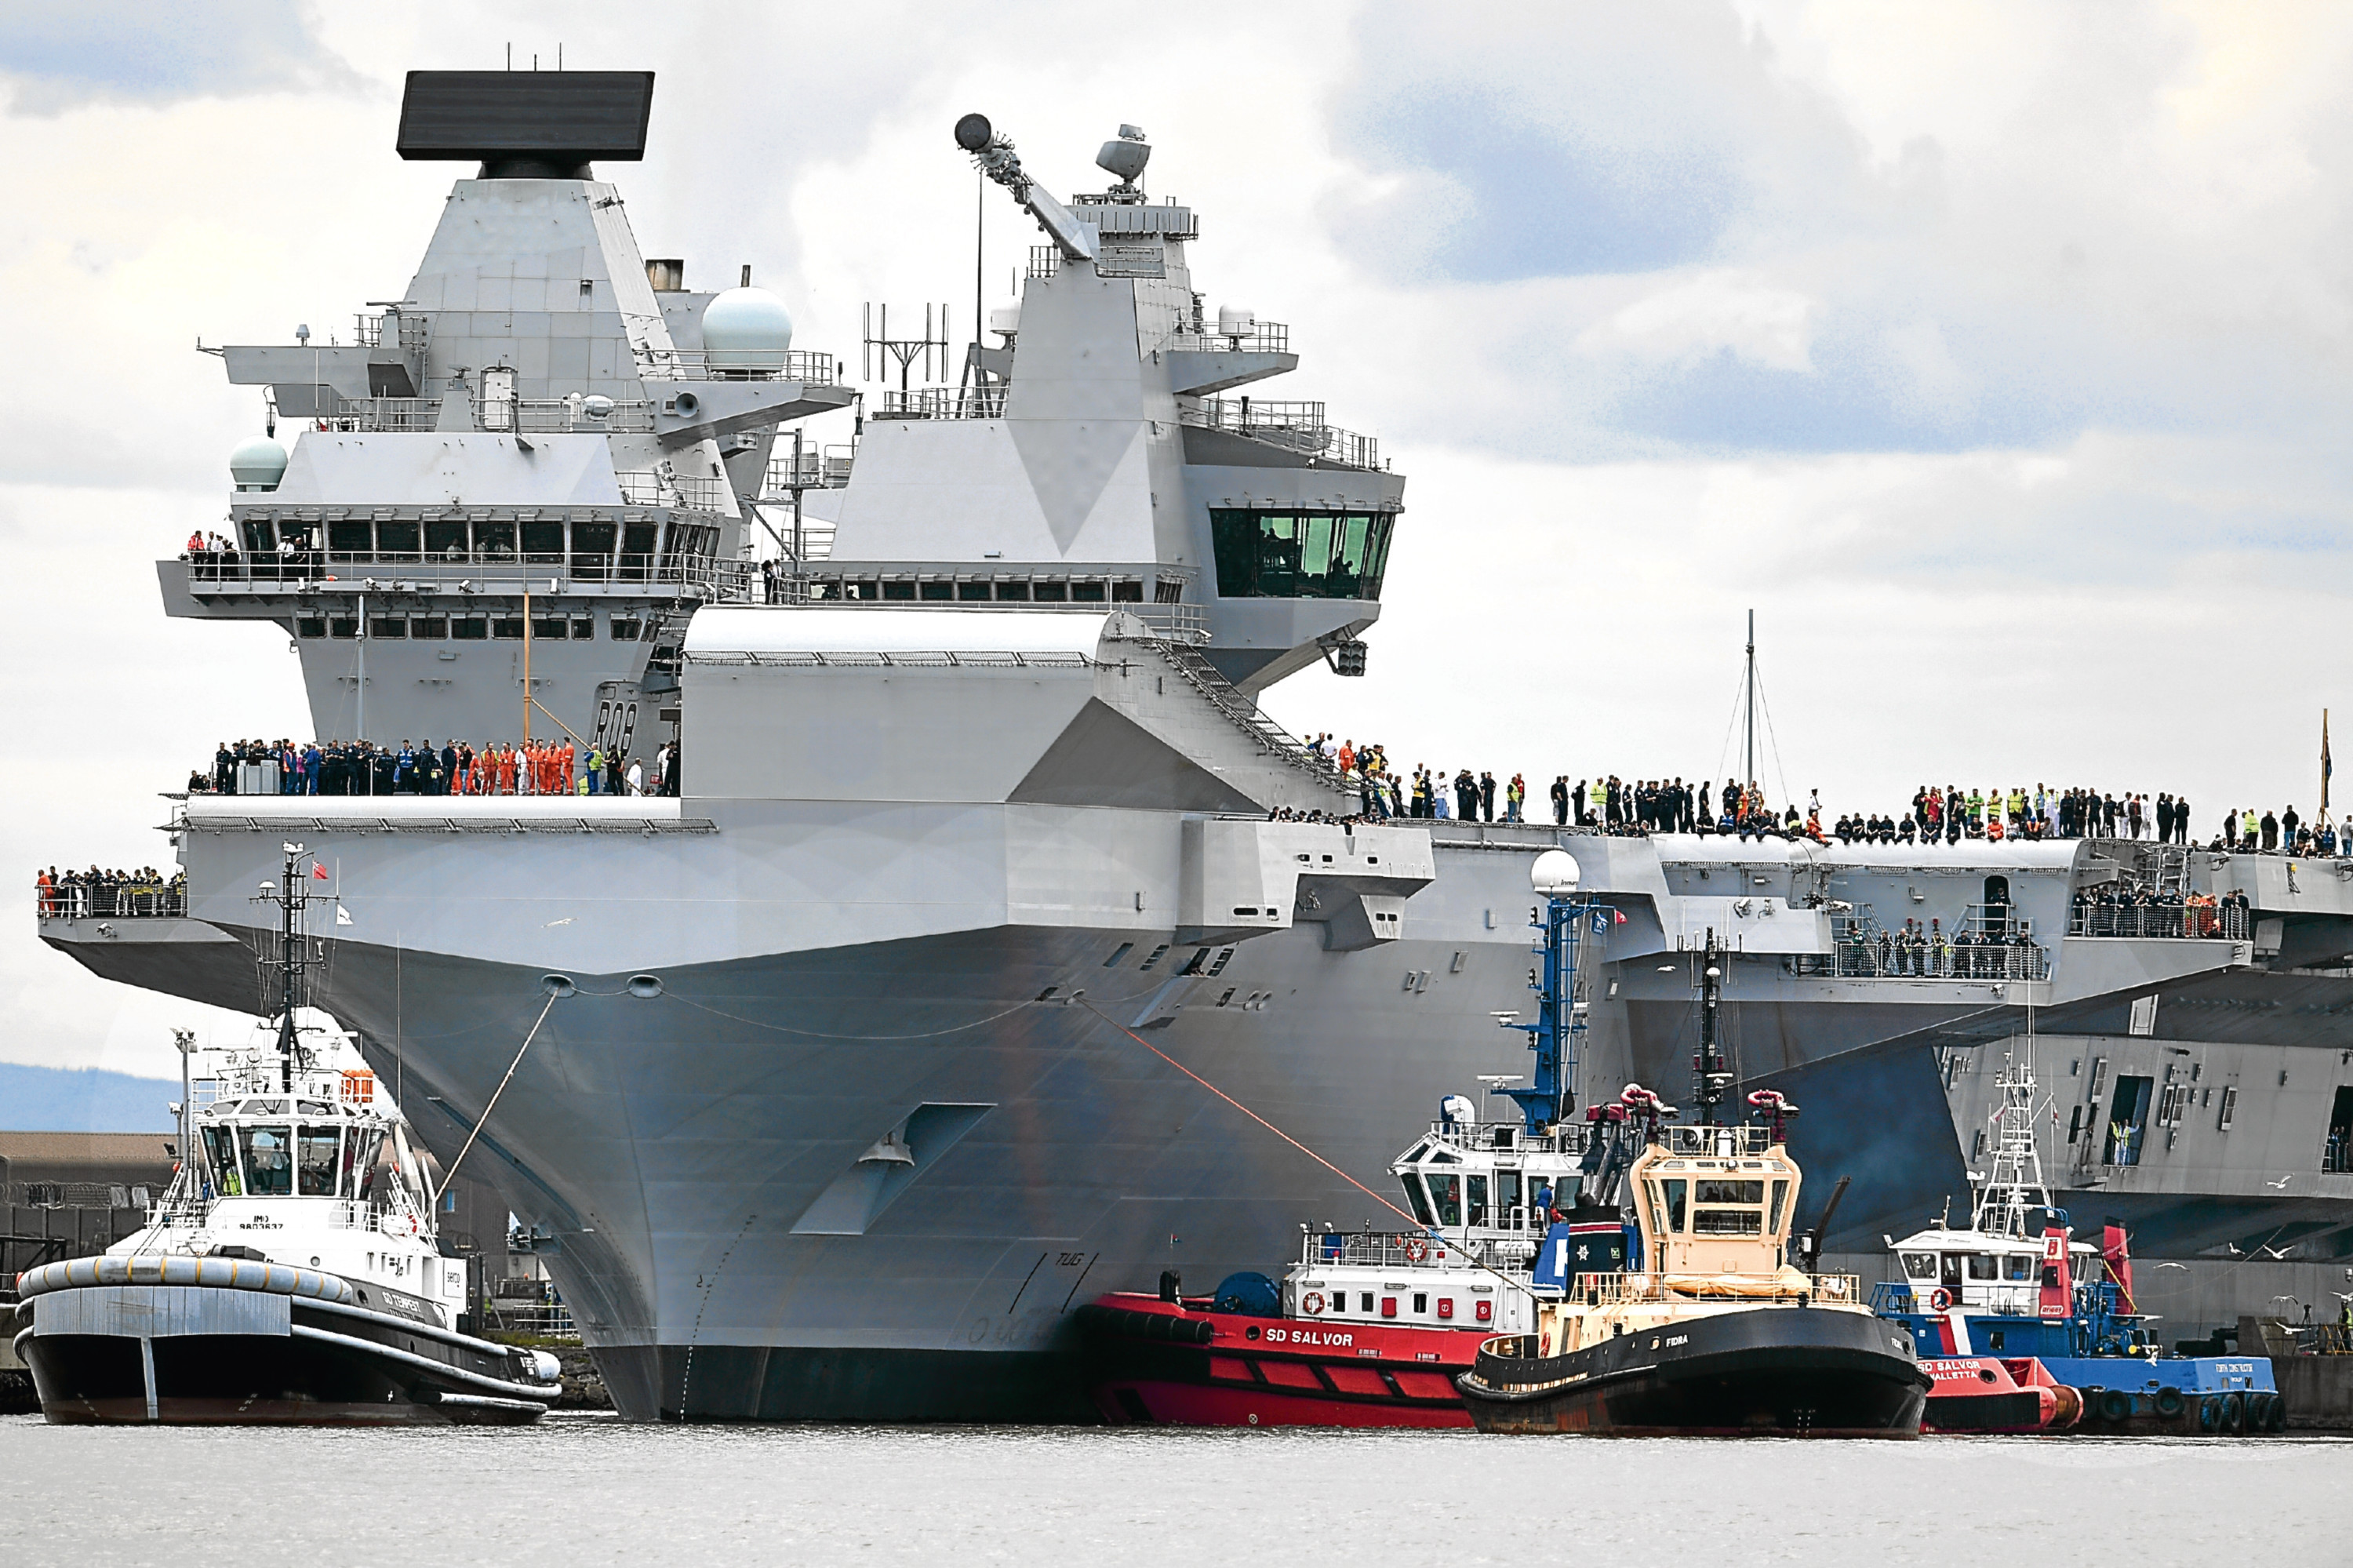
point(1560, 1011)
point(293, 899)
point(1710, 1078)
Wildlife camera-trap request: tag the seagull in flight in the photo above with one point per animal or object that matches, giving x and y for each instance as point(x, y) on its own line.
point(2282, 1180)
point(2278, 1252)
point(2173, 1265)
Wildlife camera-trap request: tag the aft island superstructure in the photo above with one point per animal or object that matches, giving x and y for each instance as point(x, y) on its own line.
point(840, 1110)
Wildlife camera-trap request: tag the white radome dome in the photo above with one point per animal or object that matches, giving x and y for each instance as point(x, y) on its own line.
point(257, 463)
point(745, 329)
point(1555, 872)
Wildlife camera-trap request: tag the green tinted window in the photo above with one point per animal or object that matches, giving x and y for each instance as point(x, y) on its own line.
point(1299, 555)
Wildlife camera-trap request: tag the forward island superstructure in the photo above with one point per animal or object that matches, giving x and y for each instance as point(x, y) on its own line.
point(840, 1110)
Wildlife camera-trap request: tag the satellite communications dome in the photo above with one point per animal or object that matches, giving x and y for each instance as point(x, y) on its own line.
point(257, 463)
point(1555, 872)
point(746, 329)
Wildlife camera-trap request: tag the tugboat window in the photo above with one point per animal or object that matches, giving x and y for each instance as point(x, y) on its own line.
point(1716, 1191)
point(1780, 1195)
point(221, 1151)
point(1446, 1191)
point(269, 1161)
point(1421, 1205)
point(1476, 1189)
point(2020, 1267)
point(1727, 1222)
point(1299, 555)
point(1982, 1266)
point(1507, 1193)
point(1676, 1189)
point(1920, 1264)
point(316, 1161)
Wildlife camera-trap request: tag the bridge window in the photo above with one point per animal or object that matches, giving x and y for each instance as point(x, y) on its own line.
point(2019, 1266)
point(315, 1151)
point(1982, 1266)
point(1727, 1222)
point(1299, 555)
point(1920, 1264)
point(1446, 1192)
point(220, 1154)
point(269, 1161)
point(445, 541)
point(470, 629)
point(1677, 1190)
point(1086, 593)
point(1420, 1204)
point(1051, 593)
point(1476, 1189)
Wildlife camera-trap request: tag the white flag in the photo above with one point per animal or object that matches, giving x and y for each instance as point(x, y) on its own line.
point(342, 915)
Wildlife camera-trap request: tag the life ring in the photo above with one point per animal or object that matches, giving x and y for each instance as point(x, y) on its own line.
point(1312, 1303)
point(1940, 1300)
point(2116, 1404)
point(2170, 1404)
point(1416, 1248)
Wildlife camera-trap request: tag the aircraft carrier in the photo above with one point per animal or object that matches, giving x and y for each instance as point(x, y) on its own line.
point(835, 1110)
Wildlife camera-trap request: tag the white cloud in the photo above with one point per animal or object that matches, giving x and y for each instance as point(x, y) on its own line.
point(1712, 313)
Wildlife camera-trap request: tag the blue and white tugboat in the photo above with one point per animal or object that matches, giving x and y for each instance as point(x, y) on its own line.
point(2025, 1329)
point(291, 1273)
point(1708, 1328)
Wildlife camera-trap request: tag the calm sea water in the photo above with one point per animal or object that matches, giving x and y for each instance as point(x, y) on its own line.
point(590, 1488)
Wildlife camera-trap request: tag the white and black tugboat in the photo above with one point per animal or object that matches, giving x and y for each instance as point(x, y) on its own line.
point(1709, 1328)
point(291, 1273)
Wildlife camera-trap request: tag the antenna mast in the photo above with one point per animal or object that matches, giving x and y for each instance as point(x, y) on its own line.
point(879, 348)
point(1748, 780)
point(1710, 1078)
point(293, 900)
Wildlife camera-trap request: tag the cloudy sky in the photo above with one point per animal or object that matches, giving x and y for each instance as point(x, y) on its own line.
point(1996, 355)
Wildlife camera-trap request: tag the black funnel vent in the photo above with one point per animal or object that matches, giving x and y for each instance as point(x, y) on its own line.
point(526, 124)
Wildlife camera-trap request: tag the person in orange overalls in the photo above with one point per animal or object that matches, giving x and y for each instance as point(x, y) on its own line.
point(506, 769)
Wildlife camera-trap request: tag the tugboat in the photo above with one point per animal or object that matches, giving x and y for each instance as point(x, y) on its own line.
point(291, 1272)
point(1370, 1328)
point(1706, 1328)
point(2025, 1329)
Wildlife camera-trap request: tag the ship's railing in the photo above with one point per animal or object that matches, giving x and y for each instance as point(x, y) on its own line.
point(1294, 427)
point(644, 487)
point(1273, 738)
point(826, 468)
point(109, 900)
point(1506, 1252)
point(532, 416)
point(1860, 957)
point(942, 403)
point(2191, 922)
point(537, 1320)
point(811, 366)
point(367, 330)
point(1512, 1137)
point(1626, 1290)
point(477, 566)
point(1259, 337)
point(2011, 1300)
point(1721, 1142)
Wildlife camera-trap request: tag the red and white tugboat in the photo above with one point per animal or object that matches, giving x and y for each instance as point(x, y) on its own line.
point(1369, 1329)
